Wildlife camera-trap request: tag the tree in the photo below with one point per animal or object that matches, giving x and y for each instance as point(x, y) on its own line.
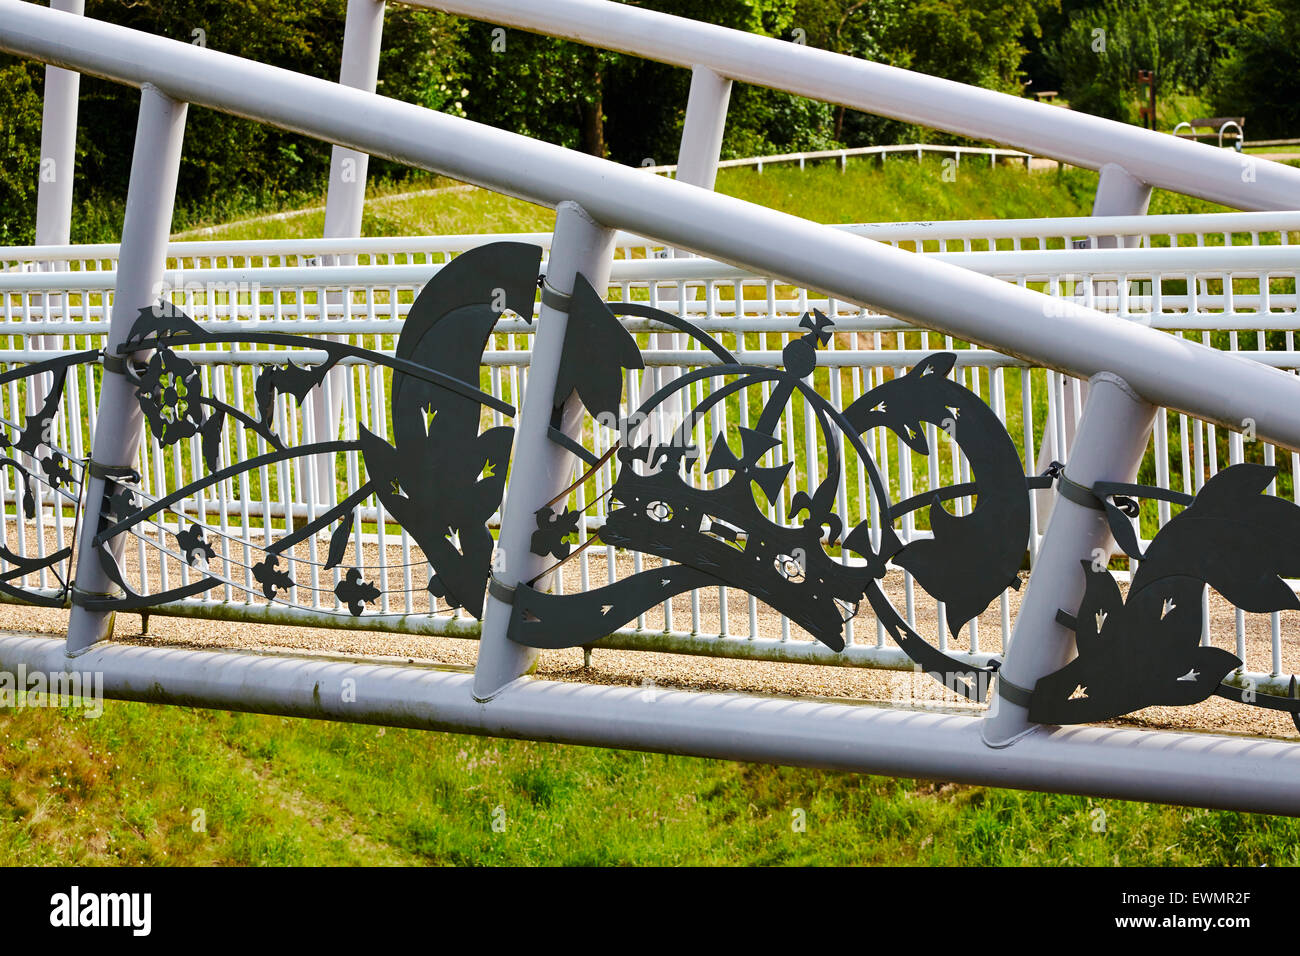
point(229, 164)
point(623, 107)
point(1100, 52)
point(969, 41)
point(536, 86)
point(1259, 75)
point(21, 85)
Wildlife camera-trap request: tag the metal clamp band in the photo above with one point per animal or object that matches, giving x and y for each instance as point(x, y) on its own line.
point(114, 363)
point(113, 472)
point(554, 298)
point(1013, 693)
point(1079, 494)
point(80, 598)
point(500, 590)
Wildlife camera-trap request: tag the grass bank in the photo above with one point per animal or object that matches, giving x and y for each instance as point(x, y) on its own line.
point(165, 785)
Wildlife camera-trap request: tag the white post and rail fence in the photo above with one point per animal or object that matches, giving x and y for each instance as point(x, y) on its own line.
point(1132, 369)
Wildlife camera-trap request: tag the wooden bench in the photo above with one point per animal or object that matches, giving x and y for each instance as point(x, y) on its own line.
point(1216, 125)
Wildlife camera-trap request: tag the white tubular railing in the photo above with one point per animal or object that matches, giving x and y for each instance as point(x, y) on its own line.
point(1043, 130)
point(1204, 383)
point(867, 348)
point(957, 235)
point(1063, 337)
point(1250, 287)
point(842, 155)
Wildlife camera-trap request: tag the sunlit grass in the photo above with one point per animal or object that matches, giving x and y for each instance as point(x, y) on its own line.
point(163, 785)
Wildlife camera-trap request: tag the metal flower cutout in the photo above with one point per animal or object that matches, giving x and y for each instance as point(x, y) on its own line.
point(554, 530)
point(169, 394)
point(194, 546)
point(355, 593)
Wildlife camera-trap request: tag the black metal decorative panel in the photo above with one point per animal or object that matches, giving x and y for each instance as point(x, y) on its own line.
point(436, 408)
point(724, 535)
point(46, 475)
point(1145, 648)
point(728, 510)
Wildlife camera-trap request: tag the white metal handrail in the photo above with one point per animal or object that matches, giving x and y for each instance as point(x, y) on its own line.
point(1183, 287)
point(1195, 227)
point(1045, 262)
point(1038, 128)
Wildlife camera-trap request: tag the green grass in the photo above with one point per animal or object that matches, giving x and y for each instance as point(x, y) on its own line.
point(901, 190)
point(124, 788)
point(904, 190)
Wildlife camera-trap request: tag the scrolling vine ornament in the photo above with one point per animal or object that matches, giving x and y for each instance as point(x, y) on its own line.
point(42, 469)
point(725, 534)
point(436, 411)
point(715, 515)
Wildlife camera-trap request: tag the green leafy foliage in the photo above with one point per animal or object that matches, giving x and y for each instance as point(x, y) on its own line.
point(1243, 52)
point(229, 165)
point(1259, 77)
point(20, 137)
point(1101, 48)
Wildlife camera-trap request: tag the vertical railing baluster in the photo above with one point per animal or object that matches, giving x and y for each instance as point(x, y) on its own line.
point(541, 468)
point(150, 196)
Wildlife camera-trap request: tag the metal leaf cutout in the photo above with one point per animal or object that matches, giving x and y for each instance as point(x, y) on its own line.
point(436, 431)
point(339, 542)
point(970, 559)
point(1239, 541)
point(164, 321)
point(290, 379)
point(597, 350)
point(1143, 655)
point(1231, 538)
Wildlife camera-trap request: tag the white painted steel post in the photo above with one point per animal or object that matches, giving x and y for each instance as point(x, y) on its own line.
point(706, 121)
point(697, 164)
point(58, 148)
point(1111, 440)
point(540, 469)
point(54, 185)
point(1118, 194)
point(344, 205)
point(150, 197)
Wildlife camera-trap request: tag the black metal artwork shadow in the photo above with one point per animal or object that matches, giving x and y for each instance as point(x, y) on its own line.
point(1145, 649)
point(440, 478)
point(725, 536)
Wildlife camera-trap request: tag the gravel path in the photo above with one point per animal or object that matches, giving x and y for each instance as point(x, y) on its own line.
point(641, 667)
